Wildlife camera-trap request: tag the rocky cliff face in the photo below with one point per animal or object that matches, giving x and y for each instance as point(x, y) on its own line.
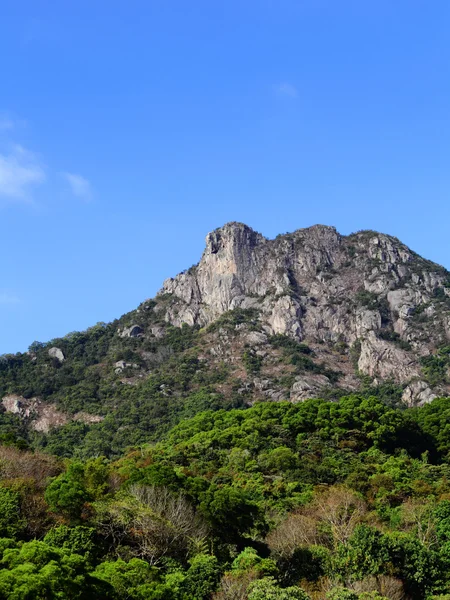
point(366, 291)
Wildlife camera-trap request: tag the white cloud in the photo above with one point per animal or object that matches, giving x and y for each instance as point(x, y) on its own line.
point(80, 186)
point(20, 171)
point(286, 89)
point(7, 298)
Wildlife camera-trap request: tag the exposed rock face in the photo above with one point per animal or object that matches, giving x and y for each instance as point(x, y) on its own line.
point(87, 418)
point(316, 285)
point(56, 353)
point(379, 358)
point(48, 416)
point(43, 416)
point(20, 406)
point(308, 387)
point(120, 365)
point(133, 331)
point(417, 393)
point(359, 310)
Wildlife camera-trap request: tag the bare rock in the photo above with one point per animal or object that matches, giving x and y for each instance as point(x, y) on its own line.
point(308, 386)
point(42, 416)
point(120, 365)
point(87, 418)
point(367, 320)
point(24, 407)
point(256, 338)
point(48, 417)
point(379, 358)
point(132, 331)
point(418, 393)
point(158, 331)
point(285, 317)
point(56, 353)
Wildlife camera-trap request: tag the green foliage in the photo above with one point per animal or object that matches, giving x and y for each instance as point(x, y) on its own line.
point(68, 493)
point(267, 589)
point(435, 367)
point(289, 344)
point(135, 580)
point(249, 560)
point(75, 540)
point(342, 594)
point(11, 521)
point(365, 554)
point(231, 510)
point(261, 501)
point(237, 316)
point(434, 419)
point(299, 355)
point(202, 577)
point(372, 301)
point(252, 362)
point(394, 337)
point(39, 571)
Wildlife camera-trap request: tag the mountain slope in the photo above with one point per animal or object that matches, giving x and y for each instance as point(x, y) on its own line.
point(308, 314)
point(367, 290)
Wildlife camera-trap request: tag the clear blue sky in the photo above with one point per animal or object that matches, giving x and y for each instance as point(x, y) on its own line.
point(128, 130)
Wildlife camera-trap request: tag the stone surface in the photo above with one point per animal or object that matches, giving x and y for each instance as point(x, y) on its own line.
point(132, 331)
point(308, 386)
point(418, 393)
point(56, 353)
point(42, 416)
point(87, 418)
point(321, 287)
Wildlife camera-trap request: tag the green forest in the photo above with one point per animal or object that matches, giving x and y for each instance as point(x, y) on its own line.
point(190, 486)
point(334, 500)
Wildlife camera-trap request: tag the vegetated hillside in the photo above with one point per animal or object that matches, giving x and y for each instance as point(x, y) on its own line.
point(308, 314)
point(267, 428)
point(314, 500)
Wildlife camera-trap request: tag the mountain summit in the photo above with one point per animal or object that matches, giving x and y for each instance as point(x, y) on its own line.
point(308, 314)
point(366, 290)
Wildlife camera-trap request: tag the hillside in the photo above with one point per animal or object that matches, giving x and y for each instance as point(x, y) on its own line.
point(308, 314)
point(267, 428)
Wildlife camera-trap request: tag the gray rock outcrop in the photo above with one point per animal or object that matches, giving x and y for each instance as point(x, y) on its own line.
point(319, 286)
point(133, 331)
point(56, 353)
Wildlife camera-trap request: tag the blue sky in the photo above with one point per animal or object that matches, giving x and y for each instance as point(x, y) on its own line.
point(128, 130)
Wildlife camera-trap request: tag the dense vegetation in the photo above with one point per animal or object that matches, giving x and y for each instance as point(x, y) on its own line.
point(336, 500)
point(175, 478)
point(162, 380)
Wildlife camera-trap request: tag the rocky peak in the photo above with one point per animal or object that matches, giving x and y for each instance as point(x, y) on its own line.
point(317, 285)
point(232, 239)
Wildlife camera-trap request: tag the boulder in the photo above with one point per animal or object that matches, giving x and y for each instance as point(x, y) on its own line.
point(56, 353)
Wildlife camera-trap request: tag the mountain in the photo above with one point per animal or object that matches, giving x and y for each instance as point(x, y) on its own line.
point(307, 314)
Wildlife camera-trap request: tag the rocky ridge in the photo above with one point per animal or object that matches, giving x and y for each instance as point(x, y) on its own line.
point(367, 291)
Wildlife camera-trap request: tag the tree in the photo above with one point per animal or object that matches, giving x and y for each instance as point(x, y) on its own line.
point(67, 493)
point(38, 571)
point(11, 521)
point(154, 521)
point(75, 540)
point(341, 510)
point(296, 530)
point(134, 580)
point(231, 511)
point(202, 577)
point(267, 589)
